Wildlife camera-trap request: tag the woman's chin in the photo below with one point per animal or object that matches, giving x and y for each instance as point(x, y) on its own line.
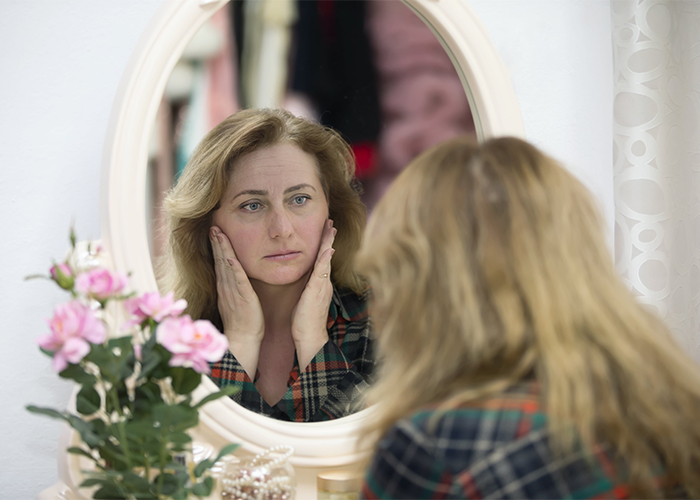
point(283, 277)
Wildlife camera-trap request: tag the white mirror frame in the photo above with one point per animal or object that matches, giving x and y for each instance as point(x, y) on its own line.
point(495, 109)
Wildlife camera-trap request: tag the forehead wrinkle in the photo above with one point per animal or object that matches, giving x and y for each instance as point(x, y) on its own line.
point(264, 164)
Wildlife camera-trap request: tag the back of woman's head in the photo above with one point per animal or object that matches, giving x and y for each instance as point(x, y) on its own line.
point(471, 241)
point(488, 266)
point(188, 266)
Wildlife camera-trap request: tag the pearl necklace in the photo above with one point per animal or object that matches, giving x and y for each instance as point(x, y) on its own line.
point(253, 480)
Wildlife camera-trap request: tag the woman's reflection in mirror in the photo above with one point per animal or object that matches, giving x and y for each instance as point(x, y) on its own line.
point(515, 362)
point(264, 224)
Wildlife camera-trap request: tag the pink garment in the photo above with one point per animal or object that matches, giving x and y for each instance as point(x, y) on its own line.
point(421, 97)
point(421, 111)
point(222, 91)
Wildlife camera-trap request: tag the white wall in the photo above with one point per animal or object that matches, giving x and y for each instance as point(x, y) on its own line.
point(559, 54)
point(61, 64)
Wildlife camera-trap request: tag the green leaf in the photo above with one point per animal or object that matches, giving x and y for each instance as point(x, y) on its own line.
point(227, 450)
point(228, 390)
point(85, 429)
point(49, 412)
point(79, 451)
point(181, 417)
point(47, 352)
point(92, 482)
point(124, 361)
point(87, 401)
point(122, 343)
point(103, 357)
point(185, 380)
point(175, 418)
point(171, 483)
point(143, 427)
point(163, 369)
point(99, 427)
point(179, 438)
point(204, 488)
point(149, 362)
point(180, 495)
point(203, 466)
point(136, 483)
point(145, 398)
point(110, 492)
point(77, 373)
point(114, 456)
point(208, 463)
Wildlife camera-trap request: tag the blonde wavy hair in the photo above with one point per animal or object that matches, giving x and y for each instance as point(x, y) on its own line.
point(188, 266)
point(488, 266)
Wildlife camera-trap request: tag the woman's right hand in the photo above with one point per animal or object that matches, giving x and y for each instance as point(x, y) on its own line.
point(239, 306)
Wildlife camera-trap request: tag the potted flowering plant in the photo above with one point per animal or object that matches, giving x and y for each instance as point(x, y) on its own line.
point(135, 405)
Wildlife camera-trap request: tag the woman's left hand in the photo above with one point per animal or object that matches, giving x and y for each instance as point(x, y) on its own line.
point(311, 313)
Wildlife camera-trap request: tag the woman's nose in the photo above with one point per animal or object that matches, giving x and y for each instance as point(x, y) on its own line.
point(280, 225)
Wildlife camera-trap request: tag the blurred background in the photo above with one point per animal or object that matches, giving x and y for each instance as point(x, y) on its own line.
point(370, 69)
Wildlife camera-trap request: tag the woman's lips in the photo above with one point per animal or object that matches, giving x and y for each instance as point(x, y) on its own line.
point(283, 256)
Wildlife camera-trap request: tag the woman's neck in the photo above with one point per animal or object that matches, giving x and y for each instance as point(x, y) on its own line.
point(278, 302)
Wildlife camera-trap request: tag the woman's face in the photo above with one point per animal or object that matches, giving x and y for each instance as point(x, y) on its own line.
point(273, 212)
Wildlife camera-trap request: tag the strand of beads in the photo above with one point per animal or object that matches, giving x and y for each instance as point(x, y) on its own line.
point(256, 479)
point(283, 457)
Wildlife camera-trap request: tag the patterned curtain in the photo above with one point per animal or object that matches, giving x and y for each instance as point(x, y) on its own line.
point(657, 158)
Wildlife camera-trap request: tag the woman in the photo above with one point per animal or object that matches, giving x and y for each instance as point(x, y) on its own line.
point(264, 222)
point(515, 362)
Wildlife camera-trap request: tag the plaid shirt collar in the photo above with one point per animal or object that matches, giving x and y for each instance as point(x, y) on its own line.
point(335, 308)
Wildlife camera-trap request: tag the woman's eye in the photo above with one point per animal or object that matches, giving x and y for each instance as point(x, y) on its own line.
point(299, 200)
point(253, 206)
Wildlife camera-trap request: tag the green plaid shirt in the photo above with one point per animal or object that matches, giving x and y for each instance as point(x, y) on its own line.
point(497, 448)
point(333, 383)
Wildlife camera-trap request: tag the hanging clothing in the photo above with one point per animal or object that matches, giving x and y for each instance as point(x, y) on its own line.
point(421, 96)
point(264, 42)
point(333, 65)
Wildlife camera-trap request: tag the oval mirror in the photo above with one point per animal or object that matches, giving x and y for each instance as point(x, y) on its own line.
point(495, 112)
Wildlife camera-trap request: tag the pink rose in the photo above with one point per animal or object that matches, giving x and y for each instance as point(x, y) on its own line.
point(153, 305)
point(101, 283)
point(192, 343)
point(73, 326)
point(63, 275)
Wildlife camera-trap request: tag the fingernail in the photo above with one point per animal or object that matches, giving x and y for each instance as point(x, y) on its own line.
point(220, 238)
point(332, 251)
point(335, 231)
point(230, 261)
point(211, 232)
point(330, 223)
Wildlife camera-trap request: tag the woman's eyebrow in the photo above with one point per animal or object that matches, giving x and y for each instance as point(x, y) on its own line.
point(257, 192)
point(262, 192)
point(298, 187)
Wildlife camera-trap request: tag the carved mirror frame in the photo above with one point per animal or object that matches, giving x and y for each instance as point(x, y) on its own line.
point(124, 234)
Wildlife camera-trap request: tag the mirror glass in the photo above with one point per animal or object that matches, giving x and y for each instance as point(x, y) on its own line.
point(372, 70)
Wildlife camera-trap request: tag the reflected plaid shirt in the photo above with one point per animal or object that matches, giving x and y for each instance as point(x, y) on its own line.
point(496, 449)
point(333, 383)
